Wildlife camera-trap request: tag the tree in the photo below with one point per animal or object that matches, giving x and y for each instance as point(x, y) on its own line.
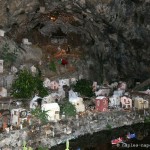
point(40, 114)
point(27, 85)
point(68, 109)
point(84, 87)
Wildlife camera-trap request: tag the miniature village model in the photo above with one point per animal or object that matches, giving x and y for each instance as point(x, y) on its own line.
point(45, 90)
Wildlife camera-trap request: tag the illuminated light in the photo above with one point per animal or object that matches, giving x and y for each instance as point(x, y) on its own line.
point(53, 18)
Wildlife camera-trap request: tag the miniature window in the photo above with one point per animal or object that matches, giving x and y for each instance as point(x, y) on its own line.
point(77, 103)
point(56, 112)
point(15, 113)
point(1, 63)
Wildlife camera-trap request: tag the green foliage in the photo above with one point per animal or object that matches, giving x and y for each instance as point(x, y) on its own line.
point(52, 66)
point(25, 147)
point(40, 114)
point(147, 120)
point(26, 85)
point(108, 126)
point(68, 109)
point(84, 87)
point(7, 55)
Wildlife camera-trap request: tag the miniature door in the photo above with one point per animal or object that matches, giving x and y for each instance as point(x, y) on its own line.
point(1, 66)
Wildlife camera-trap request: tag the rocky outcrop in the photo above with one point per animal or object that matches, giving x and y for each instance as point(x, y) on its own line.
point(114, 34)
point(53, 134)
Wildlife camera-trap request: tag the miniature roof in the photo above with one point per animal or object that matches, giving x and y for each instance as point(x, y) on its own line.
point(19, 109)
point(51, 106)
point(100, 97)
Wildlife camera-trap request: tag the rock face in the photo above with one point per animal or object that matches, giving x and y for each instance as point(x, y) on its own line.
point(114, 34)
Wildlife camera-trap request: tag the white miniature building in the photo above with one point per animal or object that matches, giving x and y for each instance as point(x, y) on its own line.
point(2, 32)
point(76, 101)
point(141, 103)
point(25, 41)
point(64, 82)
point(126, 102)
point(94, 86)
point(14, 69)
point(48, 99)
point(122, 86)
point(18, 116)
point(1, 66)
point(3, 92)
point(53, 111)
point(34, 102)
point(114, 101)
point(33, 69)
point(103, 92)
point(119, 92)
point(73, 80)
point(46, 83)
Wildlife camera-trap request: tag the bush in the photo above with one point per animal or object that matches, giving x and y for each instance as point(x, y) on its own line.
point(84, 87)
point(68, 109)
point(26, 85)
point(40, 114)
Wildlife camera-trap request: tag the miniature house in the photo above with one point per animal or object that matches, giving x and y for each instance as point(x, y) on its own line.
point(5, 118)
point(73, 80)
point(118, 92)
point(94, 86)
point(140, 103)
point(114, 101)
point(46, 83)
point(3, 92)
point(5, 102)
point(103, 92)
point(1, 66)
point(76, 101)
point(54, 85)
point(126, 102)
point(53, 110)
point(2, 32)
point(122, 86)
point(14, 69)
point(18, 116)
point(48, 99)
point(64, 82)
point(33, 69)
point(101, 103)
point(34, 102)
point(25, 41)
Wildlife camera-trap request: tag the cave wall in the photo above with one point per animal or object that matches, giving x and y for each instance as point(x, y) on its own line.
point(113, 33)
